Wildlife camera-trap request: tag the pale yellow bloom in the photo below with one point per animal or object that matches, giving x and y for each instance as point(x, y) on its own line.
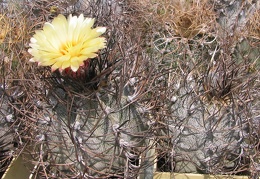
point(66, 43)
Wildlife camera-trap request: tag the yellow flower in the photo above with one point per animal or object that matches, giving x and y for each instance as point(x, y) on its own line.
point(66, 43)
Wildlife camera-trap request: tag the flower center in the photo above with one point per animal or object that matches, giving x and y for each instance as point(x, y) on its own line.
point(68, 48)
